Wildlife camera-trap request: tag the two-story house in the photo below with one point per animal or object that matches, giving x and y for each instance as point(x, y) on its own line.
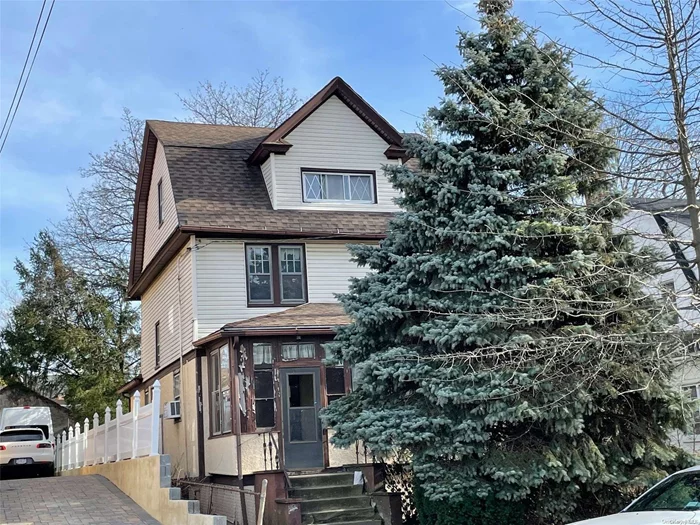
point(239, 247)
point(664, 224)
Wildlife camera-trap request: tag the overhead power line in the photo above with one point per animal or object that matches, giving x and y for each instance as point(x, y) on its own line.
point(24, 67)
point(8, 126)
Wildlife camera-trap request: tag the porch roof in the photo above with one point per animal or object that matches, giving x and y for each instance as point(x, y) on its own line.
point(310, 318)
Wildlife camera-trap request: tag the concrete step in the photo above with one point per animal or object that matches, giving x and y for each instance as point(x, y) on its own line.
point(338, 491)
point(322, 480)
point(337, 516)
point(350, 502)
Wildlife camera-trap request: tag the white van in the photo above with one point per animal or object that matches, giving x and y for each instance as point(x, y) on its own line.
point(28, 417)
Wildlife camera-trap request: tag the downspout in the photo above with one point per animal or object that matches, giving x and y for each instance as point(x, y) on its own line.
point(182, 375)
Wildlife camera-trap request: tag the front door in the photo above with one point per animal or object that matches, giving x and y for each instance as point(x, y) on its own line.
point(301, 401)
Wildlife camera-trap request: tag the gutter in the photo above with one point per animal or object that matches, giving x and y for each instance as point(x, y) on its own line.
point(270, 330)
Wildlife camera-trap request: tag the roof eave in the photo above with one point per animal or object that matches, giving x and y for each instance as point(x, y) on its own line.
point(264, 331)
point(130, 385)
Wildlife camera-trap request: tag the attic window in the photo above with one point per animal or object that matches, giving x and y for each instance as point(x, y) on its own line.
point(331, 186)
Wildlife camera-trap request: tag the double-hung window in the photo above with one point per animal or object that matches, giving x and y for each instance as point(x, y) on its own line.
point(320, 186)
point(264, 386)
point(220, 390)
point(291, 261)
point(275, 274)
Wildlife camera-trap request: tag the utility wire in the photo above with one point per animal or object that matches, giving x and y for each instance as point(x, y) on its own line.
point(24, 67)
point(29, 72)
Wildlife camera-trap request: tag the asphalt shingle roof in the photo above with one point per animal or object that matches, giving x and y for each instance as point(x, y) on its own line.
point(214, 186)
point(303, 316)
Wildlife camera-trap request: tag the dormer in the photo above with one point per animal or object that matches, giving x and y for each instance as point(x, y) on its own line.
point(330, 154)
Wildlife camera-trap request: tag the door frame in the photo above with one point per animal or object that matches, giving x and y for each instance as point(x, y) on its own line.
point(315, 448)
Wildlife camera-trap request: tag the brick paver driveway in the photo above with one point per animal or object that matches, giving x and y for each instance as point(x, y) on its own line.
point(68, 500)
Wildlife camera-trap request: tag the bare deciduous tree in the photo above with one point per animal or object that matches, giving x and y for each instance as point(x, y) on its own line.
point(264, 102)
point(656, 115)
point(96, 236)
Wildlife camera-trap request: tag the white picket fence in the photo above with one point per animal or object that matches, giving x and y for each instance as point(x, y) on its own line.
point(131, 435)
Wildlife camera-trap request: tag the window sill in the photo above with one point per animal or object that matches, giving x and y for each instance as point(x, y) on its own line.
point(276, 305)
point(223, 435)
point(340, 203)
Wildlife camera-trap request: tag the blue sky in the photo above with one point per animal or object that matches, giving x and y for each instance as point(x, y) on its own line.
point(99, 57)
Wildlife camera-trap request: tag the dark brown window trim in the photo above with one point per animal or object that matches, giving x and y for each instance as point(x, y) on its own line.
point(222, 435)
point(276, 275)
point(373, 173)
point(210, 351)
point(159, 195)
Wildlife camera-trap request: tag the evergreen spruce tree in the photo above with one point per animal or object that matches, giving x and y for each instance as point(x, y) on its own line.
point(504, 338)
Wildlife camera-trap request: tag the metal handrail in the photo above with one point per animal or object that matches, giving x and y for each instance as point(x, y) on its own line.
point(287, 482)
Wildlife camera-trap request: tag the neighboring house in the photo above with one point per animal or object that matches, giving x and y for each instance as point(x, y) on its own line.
point(17, 396)
point(239, 249)
point(665, 225)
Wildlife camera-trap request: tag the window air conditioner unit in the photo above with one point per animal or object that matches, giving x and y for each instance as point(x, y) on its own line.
point(172, 410)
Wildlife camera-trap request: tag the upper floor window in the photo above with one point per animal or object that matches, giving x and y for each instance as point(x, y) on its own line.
point(275, 274)
point(329, 186)
point(160, 202)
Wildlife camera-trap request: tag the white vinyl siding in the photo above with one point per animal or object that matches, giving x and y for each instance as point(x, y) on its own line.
point(221, 280)
point(645, 231)
point(329, 269)
point(159, 304)
point(268, 174)
point(332, 137)
point(157, 233)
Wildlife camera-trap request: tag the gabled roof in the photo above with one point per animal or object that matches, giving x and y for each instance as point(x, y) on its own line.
point(309, 318)
point(275, 143)
point(219, 191)
point(674, 209)
point(17, 389)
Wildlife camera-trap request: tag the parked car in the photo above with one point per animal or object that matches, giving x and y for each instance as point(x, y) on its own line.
point(26, 449)
point(27, 417)
point(676, 499)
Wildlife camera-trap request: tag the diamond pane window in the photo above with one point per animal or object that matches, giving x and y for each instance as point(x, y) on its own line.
point(360, 188)
point(338, 187)
point(313, 187)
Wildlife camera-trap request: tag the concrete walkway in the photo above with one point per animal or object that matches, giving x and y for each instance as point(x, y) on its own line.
point(86, 500)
